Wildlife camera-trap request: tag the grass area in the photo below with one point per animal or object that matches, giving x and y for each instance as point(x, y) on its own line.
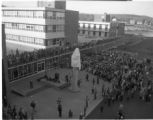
point(144, 48)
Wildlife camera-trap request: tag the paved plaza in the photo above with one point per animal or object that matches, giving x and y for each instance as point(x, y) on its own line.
point(46, 99)
point(133, 109)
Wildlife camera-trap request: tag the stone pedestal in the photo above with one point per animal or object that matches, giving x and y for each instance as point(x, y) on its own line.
point(74, 81)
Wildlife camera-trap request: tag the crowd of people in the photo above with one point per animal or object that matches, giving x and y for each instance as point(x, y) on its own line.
point(129, 76)
point(18, 58)
point(13, 112)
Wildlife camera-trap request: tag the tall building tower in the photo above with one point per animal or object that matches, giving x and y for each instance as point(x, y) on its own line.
point(107, 17)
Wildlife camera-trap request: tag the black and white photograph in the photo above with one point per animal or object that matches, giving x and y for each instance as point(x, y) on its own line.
point(76, 59)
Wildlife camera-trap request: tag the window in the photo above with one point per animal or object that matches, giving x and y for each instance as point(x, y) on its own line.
point(8, 36)
point(30, 40)
point(15, 37)
point(94, 33)
point(29, 13)
point(106, 28)
point(54, 41)
point(97, 26)
point(105, 34)
point(54, 15)
point(54, 28)
point(86, 25)
point(62, 27)
point(103, 26)
point(91, 25)
point(22, 38)
point(49, 28)
point(83, 32)
point(12, 37)
point(39, 28)
point(14, 13)
point(99, 33)
point(49, 14)
point(22, 26)
point(8, 25)
point(39, 14)
point(39, 41)
point(59, 15)
point(10, 13)
point(22, 13)
point(14, 25)
point(58, 28)
point(81, 25)
point(30, 27)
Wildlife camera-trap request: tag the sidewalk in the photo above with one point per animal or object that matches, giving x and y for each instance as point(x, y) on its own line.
point(46, 99)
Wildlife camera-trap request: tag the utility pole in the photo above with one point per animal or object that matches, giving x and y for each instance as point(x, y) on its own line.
point(5, 80)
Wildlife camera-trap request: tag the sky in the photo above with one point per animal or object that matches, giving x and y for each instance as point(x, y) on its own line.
point(137, 7)
point(115, 7)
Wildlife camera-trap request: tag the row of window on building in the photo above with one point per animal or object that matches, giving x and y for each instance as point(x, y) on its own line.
point(22, 71)
point(94, 26)
point(38, 28)
point(34, 14)
point(25, 39)
point(93, 33)
point(32, 40)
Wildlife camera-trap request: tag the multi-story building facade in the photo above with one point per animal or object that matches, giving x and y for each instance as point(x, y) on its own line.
point(37, 27)
point(97, 29)
point(40, 26)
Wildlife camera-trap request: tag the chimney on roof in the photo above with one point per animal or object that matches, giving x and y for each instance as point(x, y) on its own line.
point(60, 4)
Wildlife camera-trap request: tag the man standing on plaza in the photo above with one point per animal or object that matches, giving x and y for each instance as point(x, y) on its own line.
point(59, 107)
point(87, 77)
point(60, 110)
point(87, 101)
point(33, 105)
point(31, 84)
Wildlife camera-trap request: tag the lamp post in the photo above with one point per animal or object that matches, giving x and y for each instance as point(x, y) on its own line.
point(5, 80)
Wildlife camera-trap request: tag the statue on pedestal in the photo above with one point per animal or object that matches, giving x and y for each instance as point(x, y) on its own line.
point(76, 64)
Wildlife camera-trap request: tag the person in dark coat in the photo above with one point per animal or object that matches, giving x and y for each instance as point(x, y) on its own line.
point(93, 81)
point(70, 114)
point(60, 110)
point(31, 84)
point(81, 116)
point(33, 105)
point(101, 109)
point(87, 77)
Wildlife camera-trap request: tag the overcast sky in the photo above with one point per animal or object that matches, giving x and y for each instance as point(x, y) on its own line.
point(138, 7)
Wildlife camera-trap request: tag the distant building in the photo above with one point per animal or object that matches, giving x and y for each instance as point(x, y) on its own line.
point(95, 17)
point(139, 22)
point(114, 19)
point(132, 22)
point(97, 29)
point(101, 29)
